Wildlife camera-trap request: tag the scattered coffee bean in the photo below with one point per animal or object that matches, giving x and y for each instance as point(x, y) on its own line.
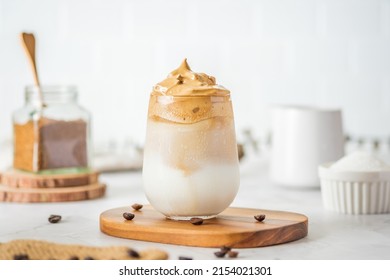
point(54, 219)
point(132, 253)
point(74, 258)
point(137, 206)
point(219, 254)
point(260, 218)
point(196, 221)
point(225, 249)
point(232, 254)
point(21, 257)
point(128, 216)
point(89, 258)
point(185, 258)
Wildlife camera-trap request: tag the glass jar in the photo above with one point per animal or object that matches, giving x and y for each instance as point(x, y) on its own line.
point(53, 137)
point(190, 164)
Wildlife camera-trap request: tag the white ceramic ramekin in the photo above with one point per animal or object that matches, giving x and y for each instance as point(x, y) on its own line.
point(355, 192)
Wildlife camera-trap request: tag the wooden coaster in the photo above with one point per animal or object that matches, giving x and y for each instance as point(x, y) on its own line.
point(235, 227)
point(19, 179)
point(52, 194)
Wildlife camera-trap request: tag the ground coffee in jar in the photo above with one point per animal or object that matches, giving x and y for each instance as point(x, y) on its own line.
point(54, 137)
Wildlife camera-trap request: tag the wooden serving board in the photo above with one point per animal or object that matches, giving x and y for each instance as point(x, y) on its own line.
point(235, 227)
point(52, 194)
point(19, 179)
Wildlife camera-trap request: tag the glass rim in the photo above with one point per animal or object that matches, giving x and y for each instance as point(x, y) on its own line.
point(191, 96)
point(51, 89)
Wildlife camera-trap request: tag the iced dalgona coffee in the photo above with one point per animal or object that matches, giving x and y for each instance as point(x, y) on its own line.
point(190, 161)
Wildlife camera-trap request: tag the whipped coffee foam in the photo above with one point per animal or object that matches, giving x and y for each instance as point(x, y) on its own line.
point(183, 82)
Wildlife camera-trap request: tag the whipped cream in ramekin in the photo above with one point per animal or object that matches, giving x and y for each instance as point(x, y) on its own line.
point(360, 161)
point(358, 183)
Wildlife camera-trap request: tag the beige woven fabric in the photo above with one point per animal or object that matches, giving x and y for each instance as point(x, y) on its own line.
point(42, 250)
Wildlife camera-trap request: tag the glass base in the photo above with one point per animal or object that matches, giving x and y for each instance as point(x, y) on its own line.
point(187, 218)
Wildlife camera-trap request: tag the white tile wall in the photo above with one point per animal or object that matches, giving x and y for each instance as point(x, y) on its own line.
point(317, 52)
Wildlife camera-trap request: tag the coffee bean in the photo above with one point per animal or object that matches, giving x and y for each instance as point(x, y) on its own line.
point(132, 253)
point(260, 218)
point(54, 219)
point(185, 258)
point(232, 254)
point(219, 254)
point(196, 221)
point(21, 257)
point(89, 258)
point(137, 206)
point(128, 216)
point(225, 249)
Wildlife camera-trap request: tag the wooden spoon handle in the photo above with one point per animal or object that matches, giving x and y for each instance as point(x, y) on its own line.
point(28, 42)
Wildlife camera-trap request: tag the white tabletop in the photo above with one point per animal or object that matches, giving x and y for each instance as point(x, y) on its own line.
point(331, 235)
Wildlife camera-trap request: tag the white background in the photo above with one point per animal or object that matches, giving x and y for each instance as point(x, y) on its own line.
point(332, 53)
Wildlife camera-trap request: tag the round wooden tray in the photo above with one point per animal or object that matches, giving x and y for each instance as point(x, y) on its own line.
point(19, 179)
point(235, 227)
point(92, 191)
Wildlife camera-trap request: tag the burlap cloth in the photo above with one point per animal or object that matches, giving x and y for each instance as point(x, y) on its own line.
point(42, 250)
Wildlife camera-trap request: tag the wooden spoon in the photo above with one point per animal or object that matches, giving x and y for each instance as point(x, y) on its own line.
point(28, 43)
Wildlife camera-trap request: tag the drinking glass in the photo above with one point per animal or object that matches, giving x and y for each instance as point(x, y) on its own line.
point(190, 164)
